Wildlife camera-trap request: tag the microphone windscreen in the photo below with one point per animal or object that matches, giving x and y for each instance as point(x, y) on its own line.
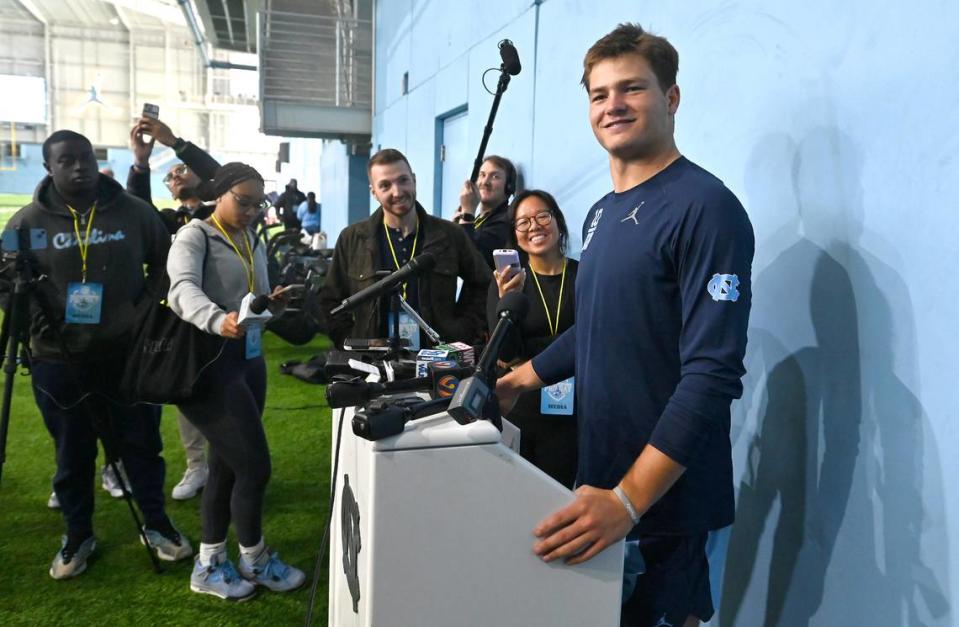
point(510, 57)
point(516, 304)
point(259, 304)
point(423, 262)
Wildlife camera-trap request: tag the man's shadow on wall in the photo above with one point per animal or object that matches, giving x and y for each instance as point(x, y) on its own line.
point(839, 435)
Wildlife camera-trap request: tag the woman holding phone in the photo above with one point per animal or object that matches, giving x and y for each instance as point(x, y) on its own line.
point(547, 417)
point(213, 265)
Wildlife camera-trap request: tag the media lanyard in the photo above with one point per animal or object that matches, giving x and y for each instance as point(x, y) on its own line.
point(479, 222)
point(389, 241)
point(553, 330)
point(83, 244)
point(250, 272)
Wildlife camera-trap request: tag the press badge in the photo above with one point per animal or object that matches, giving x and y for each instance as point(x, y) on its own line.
point(254, 341)
point(409, 330)
point(557, 399)
point(84, 302)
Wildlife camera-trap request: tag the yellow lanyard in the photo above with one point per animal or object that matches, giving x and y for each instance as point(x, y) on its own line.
point(553, 330)
point(250, 274)
point(83, 243)
point(389, 241)
point(478, 223)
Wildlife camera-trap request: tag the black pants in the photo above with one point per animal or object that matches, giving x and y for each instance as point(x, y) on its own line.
point(229, 415)
point(549, 442)
point(132, 433)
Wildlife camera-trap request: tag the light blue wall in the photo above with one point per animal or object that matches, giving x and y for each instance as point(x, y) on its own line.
point(346, 192)
point(835, 124)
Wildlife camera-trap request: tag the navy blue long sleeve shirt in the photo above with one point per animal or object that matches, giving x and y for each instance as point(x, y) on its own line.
point(662, 306)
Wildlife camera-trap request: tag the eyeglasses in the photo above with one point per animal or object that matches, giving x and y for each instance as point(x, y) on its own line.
point(180, 170)
point(245, 203)
point(543, 218)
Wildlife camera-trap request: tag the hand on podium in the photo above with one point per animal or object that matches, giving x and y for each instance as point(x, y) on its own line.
point(579, 531)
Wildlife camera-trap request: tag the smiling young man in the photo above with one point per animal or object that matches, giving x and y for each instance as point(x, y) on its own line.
point(482, 210)
point(100, 241)
point(662, 307)
point(396, 232)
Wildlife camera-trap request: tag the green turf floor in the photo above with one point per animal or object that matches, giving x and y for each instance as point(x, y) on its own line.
point(119, 587)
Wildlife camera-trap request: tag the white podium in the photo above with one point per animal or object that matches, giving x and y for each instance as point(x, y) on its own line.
point(433, 527)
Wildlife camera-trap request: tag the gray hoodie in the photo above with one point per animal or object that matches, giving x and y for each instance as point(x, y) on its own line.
point(207, 278)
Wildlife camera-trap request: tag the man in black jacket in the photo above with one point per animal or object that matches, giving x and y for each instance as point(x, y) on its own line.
point(100, 240)
point(183, 178)
point(394, 234)
point(483, 207)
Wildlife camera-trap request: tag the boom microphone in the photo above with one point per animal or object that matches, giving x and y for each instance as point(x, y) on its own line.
point(424, 262)
point(507, 52)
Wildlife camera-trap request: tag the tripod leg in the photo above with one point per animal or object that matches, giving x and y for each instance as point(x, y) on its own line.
point(104, 427)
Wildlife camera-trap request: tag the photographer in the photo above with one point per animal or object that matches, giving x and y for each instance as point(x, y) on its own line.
point(183, 181)
point(100, 240)
point(213, 265)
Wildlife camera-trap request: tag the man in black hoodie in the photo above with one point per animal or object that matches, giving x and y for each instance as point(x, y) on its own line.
point(100, 239)
point(483, 206)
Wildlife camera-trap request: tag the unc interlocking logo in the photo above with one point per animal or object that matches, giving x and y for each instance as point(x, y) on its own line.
point(724, 287)
point(592, 228)
point(350, 526)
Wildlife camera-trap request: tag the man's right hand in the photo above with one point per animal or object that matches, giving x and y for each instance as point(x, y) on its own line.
point(230, 329)
point(156, 129)
point(469, 198)
point(510, 386)
point(141, 149)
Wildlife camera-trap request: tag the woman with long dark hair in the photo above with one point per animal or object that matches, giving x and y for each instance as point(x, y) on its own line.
point(546, 418)
point(213, 264)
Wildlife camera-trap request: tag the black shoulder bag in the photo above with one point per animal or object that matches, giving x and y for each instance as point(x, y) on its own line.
point(168, 356)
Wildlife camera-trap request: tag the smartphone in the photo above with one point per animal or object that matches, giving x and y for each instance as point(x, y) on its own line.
point(151, 111)
point(504, 257)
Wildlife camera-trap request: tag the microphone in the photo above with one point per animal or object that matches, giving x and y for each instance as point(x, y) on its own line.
point(472, 394)
point(424, 262)
point(507, 52)
point(259, 304)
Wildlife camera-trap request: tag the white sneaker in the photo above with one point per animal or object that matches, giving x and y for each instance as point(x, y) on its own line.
point(109, 481)
point(53, 502)
point(191, 483)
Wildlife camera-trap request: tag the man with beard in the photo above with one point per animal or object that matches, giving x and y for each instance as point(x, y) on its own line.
point(489, 228)
point(396, 232)
point(182, 180)
point(101, 240)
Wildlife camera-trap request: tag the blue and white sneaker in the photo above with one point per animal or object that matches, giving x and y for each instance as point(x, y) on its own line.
point(71, 559)
point(267, 570)
point(221, 580)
